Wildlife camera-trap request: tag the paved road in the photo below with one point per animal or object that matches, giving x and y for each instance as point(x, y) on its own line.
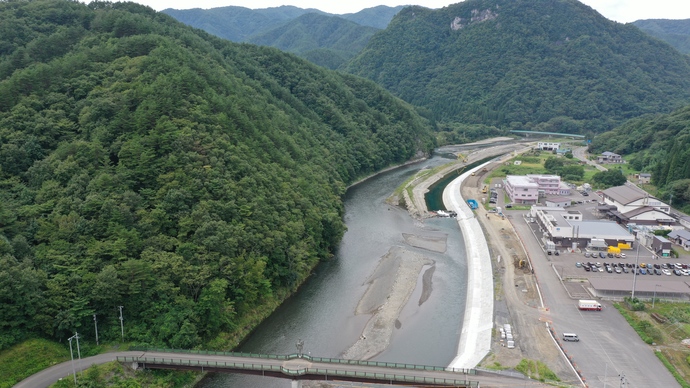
point(51, 375)
point(64, 370)
point(608, 346)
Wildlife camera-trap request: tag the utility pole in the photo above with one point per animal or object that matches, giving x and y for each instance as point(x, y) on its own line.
point(95, 323)
point(71, 354)
point(122, 326)
point(637, 259)
point(654, 298)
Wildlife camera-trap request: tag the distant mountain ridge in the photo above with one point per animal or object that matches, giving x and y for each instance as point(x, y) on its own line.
point(326, 39)
point(554, 65)
point(674, 32)
point(239, 23)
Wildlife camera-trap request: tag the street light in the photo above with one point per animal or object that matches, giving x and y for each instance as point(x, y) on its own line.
point(71, 354)
point(654, 298)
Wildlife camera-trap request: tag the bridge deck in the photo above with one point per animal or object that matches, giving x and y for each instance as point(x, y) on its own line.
point(303, 367)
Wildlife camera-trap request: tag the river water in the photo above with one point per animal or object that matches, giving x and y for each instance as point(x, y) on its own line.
point(321, 313)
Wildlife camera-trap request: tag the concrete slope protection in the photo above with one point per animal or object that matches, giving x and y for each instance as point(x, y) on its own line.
point(475, 338)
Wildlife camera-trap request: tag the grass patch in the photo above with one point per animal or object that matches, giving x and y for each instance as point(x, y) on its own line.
point(667, 335)
point(29, 357)
point(114, 374)
point(672, 369)
point(536, 370)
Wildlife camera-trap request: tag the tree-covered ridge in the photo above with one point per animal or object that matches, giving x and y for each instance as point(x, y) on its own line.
point(660, 145)
point(328, 41)
point(553, 65)
point(674, 32)
point(237, 23)
point(150, 165)
point(240, 24)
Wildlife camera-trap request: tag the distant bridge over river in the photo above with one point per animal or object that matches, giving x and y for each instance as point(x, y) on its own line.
point(305, 367)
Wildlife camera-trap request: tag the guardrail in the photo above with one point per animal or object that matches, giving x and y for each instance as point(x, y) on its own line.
point(312, 358)
point(303, 371)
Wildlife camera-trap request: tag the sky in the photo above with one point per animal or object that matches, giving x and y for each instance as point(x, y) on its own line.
point(623, 11)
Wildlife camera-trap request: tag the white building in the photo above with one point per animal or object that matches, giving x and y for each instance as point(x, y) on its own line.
point(565, 227)
point(634, 205)
point(547, 146)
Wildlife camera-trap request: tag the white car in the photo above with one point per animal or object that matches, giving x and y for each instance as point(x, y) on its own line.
point(666, 272)
point(623, 255)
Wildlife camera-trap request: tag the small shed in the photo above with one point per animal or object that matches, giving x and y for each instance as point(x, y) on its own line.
point(558, 202)
point(661, 246)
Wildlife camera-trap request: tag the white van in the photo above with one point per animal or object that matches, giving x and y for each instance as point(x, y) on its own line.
point(570, 337)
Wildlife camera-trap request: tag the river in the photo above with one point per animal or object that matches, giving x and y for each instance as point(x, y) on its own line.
point(321, 313)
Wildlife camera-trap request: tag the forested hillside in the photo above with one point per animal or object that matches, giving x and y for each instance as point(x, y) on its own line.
point(238, 23)
point(674, 32)
point(659, 144)
point(189, 179)
point(327, 41)
point(553, 65)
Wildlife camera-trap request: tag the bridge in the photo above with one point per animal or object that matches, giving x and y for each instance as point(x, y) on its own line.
point(527, 133)
point(305, 367)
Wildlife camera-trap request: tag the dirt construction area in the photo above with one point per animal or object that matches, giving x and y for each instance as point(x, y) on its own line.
point(517, 301)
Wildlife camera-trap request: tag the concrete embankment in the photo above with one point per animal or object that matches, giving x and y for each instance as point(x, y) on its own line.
point(475, 339)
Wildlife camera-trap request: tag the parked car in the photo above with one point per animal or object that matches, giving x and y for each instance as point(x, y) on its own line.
point(626, 270)
point(666, 272)
point(578, 264)
point(623, 255)
point(642, 271)
point(587, 254)
point(618, 270)
point(602, 255)
point(609, 255)
point(676, 272)
point(657, 266)
point(657, 271)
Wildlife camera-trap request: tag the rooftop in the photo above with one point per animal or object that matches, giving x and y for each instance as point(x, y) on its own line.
point(682, 233)
point(626, 194)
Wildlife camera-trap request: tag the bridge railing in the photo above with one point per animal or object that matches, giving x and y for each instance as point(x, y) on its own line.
point(312, 358)
point(345, 374)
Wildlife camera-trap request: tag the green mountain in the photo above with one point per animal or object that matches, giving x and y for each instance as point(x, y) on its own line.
point(328, 41)
point(192, 180)
point(237, 23)
point(240, 24)
point(674, 32)
point(552, 65)
point(659, 144)
point(377, 17)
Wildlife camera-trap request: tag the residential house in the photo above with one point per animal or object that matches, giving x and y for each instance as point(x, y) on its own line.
point(644, 178)
point(609, 157)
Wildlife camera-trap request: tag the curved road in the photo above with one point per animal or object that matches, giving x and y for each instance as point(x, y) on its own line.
point(51, 375)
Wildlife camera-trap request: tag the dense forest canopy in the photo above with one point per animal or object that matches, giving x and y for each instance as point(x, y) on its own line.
point(550, 65)
point(147, 164)
point(674, 32)
point(327, 41)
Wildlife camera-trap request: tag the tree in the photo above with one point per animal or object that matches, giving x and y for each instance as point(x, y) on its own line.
point(613, 177)
point(553, 165)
